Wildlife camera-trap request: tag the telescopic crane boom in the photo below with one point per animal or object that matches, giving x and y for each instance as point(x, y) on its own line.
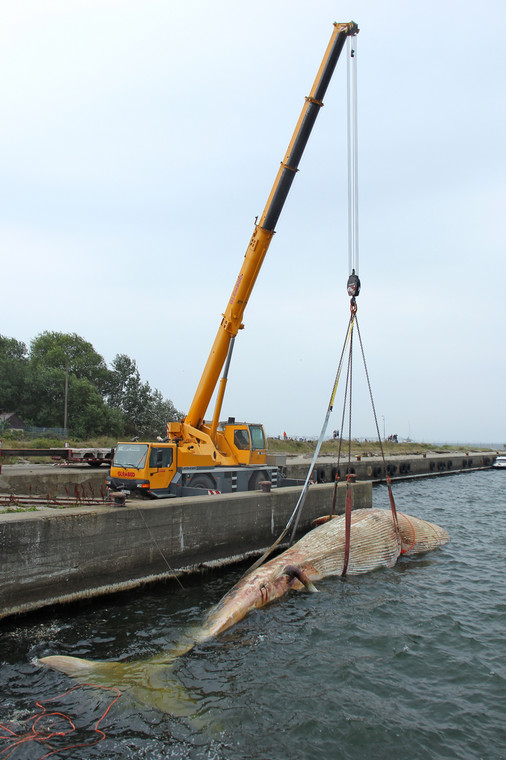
point(230, 456)
point(264, 230)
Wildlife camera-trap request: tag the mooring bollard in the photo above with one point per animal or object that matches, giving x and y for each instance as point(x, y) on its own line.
point(118, 499)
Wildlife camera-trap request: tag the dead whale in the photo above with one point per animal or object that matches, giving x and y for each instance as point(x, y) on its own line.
point(375, 543)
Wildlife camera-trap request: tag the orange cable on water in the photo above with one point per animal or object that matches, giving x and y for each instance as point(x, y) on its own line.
point(40, 736)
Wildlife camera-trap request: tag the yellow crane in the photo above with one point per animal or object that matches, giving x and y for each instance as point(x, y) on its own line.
point(213, 455)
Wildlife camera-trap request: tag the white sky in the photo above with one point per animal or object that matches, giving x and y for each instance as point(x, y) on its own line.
point(140, 140)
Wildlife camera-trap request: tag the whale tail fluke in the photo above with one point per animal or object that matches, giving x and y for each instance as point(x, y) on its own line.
point(148, 682)
point(72, 666)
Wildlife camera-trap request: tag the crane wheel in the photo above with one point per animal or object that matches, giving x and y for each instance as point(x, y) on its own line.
point(256, 479)
point(202, 481)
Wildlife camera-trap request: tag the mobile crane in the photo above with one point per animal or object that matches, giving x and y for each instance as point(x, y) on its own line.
point(230, 456)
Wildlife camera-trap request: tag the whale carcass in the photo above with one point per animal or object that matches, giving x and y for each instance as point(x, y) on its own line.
point(375, 542)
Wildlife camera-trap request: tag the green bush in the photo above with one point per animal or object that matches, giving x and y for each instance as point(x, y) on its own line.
point(11, 435)
point(46, 443)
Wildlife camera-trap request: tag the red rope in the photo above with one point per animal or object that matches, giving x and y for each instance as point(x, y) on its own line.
point(347, 526)
point(405, 551)
point(35, 734)
point(394, 510)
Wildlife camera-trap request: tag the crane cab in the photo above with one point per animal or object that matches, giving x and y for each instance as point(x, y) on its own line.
point(247, 441)
point(142, 468)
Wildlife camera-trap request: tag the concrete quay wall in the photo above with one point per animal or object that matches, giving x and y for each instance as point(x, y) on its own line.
point(372, 468)
point(53, 556)
point(46, 480)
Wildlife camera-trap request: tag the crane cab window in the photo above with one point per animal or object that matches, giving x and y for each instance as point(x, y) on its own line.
point(130, 455)
point(257, 437)
point(160, 457)
point(241, 439)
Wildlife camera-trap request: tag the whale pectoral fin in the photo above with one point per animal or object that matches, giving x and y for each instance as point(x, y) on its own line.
point(322, 520)
point(295, 572)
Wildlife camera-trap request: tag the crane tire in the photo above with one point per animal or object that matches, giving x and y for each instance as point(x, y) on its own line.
point(203, 481)
point(256, 479)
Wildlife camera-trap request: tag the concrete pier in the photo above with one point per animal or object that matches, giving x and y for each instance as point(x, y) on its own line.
point(80, 481)
point(53, 556)
point(396, 466)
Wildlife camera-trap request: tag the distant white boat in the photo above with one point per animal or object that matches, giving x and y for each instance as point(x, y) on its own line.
point(500, 463)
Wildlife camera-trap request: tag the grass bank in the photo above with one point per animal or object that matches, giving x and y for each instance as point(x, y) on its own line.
point(292, 447)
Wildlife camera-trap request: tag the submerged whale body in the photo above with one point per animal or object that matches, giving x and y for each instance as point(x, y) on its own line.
point(374, 543)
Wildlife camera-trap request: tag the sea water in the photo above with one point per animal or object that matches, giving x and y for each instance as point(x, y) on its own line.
point(402, 663)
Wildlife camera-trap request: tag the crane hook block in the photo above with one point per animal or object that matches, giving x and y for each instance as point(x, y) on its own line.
point(353, 284)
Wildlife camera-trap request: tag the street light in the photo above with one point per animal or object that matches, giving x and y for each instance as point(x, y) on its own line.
point(66, 396)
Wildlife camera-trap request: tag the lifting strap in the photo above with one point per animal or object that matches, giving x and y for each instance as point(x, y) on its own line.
point(349, 475)
point(389, 482)
point(293, 520)
point(347, 527)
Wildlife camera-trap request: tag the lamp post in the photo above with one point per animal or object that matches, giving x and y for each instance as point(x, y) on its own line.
point(66, 396)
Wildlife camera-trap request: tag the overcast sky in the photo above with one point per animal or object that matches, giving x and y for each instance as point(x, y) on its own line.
point(141, 139)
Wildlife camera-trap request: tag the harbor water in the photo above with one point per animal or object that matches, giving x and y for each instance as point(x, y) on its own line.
point(406, 662)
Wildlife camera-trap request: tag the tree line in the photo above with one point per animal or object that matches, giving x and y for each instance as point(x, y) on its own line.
point(63, 371)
